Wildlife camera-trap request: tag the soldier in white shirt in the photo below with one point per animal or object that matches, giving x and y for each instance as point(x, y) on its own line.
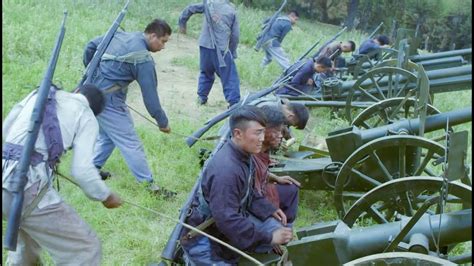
point(49, 222)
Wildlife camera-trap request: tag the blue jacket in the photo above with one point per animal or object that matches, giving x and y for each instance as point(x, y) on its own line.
point(368, 46)
point(224, 191)
point(278, 31)
point(127, 59)
point(300, 79)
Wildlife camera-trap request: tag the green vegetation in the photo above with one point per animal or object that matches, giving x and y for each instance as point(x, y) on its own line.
point(132, 236)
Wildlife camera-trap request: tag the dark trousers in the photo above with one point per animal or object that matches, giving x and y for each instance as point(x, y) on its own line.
point(288, 195)
point(209, 66)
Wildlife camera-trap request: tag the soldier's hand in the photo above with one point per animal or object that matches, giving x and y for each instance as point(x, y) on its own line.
point(288, 180)
point(165, 129)
point(112, 201)
point(182, 30)
point(282, 235)
point(280, 216)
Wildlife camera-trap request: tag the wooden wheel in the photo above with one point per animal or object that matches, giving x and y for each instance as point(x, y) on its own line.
point(402, 197)
point(383, 160)
point(380, 84)
point(388, 111)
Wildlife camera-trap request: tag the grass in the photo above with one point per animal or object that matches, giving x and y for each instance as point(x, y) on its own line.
point(131, 236)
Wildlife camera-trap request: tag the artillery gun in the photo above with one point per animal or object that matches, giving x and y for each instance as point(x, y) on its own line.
point(360, 64)
point(409, 240)
point(385, 82)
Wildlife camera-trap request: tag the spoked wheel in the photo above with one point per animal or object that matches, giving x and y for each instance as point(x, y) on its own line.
point(371, 60)
point(380, 84)
point(388, 111)
point(402, 197)
point(399, 258)
point(383, 160)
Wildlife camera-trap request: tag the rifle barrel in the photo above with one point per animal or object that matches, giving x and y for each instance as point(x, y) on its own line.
point(94, 63)
point(20, 176)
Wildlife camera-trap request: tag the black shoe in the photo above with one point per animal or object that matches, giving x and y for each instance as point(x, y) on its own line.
point(158, 191)
point(201, 101)
point(105, 175)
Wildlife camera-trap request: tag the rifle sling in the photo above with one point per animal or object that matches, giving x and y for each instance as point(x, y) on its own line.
point(35, 201)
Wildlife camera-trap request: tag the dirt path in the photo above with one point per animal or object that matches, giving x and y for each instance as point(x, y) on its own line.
point(177, 85)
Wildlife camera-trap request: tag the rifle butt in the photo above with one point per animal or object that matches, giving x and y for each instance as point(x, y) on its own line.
point(14, 219)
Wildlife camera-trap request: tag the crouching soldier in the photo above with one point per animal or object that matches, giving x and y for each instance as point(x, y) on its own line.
point(225, 195)
point(47, 221)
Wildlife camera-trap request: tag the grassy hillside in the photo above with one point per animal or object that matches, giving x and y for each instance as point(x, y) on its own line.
point(131, 236)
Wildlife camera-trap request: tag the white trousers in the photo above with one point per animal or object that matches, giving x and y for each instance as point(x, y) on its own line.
point(55, 227)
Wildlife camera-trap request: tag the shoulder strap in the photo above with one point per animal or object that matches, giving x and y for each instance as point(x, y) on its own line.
point(51, 129)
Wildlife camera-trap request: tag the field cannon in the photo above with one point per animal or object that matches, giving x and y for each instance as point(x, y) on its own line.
point(361, 64)
point(410, 237)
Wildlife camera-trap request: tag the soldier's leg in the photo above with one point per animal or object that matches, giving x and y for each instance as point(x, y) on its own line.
point(120, 129)
point(267, 58)
point(104, 146)
point(288, 195)
point(207, 70)
point(27, 250)
point(63, 233)
point(230, 80)
point(280, 56)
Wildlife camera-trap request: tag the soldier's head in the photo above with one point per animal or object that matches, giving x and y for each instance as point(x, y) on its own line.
point(157, 34)
point(276, 120)
point(348, 46)
point(296, 114)
point(294, 16)
point(247, 125)
point(382, 40)
point(322, 64)
point(94, 96)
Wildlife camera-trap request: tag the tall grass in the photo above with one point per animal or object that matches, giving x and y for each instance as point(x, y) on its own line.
point(131, 236)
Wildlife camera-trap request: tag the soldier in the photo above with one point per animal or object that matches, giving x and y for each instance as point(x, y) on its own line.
point(217, 47)
point(47, 221)
point(274, 37)
point(334, 51)
point(281, 191)
point(380, 41)
point(226, 197)
point(302, 81)
point(126, 59)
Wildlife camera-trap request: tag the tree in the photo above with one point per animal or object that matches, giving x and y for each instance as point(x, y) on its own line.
point(352, 10)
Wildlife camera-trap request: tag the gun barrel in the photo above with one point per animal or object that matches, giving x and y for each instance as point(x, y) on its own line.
point(375, 31)
point(94, 63)
point(460, 52)
point(433, 122)
point(341, 244)
point(20, 176)
point(454, 228)
point(352, 138)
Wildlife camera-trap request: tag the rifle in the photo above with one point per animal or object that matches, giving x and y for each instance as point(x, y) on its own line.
point(299, 63)
point(210, 123)
point(267, 27)
point(20, 175)
point(329, 42)
point(94, 63)
point(169, 252)
point(211, 33)
point(375, 31)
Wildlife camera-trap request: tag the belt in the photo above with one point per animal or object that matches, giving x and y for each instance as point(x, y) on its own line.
point(11, 151)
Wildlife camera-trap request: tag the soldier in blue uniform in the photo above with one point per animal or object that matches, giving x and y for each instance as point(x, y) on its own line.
point(274, 37)
point(127, 59)
point(219, 35)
